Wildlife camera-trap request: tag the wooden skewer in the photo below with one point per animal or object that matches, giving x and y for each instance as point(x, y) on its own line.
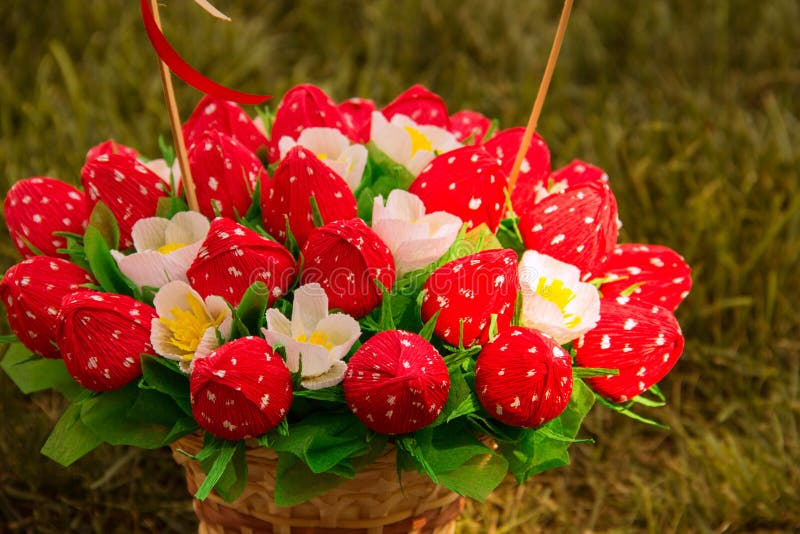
point(175, 123)
point(539, 102)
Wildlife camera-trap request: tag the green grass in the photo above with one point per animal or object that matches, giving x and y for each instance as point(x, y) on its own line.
point(692, 109)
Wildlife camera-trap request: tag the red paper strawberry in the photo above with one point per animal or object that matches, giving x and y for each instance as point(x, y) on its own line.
point(302, 107)
point(662, 275)
point(225, 173)
point(523, 378)
point(643, 341)
point(534, 171)
point(36, 207)
point(101, 336)
point(129, 189)
point(471, 289)
point(357, 113)
point(243, 389)
point(396, 383)
point(300, 176)
point(232, 257)
point(578, 226)
point(578, 172)
point(466, 182)
point(345, 258)
point(420, 105)
point(32, 292)
point(467, 123)
point(110, 147)
point(213, 113)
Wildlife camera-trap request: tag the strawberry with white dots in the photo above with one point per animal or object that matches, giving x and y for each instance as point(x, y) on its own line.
point(357, 113)
point(233, 257)
point(578, 226)
point(243, 389)
point(101, 337)
point(32, 292)
point(346, 258)
point(396, 382)
point(534, 172)
point(467, 124)
point(523, 378)
point(286, 197)
point(213, 113)
point(129, 189)
point(578, 172)
point(467, 182)
point(643, 341)
point(110, 146)
point(225, 173)
point(471, 289)
point(420, 105)
point(37, 207)
point(660, 274)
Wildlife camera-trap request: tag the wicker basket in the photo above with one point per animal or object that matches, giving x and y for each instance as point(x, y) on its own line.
point(371, 503)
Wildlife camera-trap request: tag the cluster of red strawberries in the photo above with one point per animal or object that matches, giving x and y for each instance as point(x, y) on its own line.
point(396, 382)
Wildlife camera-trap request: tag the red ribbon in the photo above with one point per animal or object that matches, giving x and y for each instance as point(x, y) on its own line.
point(185, 71)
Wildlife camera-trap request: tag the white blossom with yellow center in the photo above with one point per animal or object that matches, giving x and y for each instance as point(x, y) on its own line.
point(554, 300)
point(315, 342)
point(187, 326)
point(164, 248)
point(408, 143)
point(334, 149)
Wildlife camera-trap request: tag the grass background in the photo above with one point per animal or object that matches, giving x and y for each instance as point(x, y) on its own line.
point(690, 106)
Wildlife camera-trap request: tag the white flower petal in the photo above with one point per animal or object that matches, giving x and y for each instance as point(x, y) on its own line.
point(355, 159)
point(173, 295)
point(290, 345)
point(315, 359)
point(328, 141)
point(404, 205)
point(392, 139)
point(333, 376)
point(150, 268)
point(184, 256)
point(277, 322)
point(186, 227)
point(310, 307)
point(161, 340)
point(148, 233)
point(285, 144)
point(342, 331)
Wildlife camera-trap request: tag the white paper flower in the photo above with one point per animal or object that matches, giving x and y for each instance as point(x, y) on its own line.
point(171, 176)
point(408, 143)
point(187, 326)
point(414, 238)
point(554, 300)
point(318, 340)
point(164, 248)
point(334, 149)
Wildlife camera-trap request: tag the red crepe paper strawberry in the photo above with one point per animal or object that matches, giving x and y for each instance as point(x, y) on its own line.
point(225, 173)
point(243, 389)
point(471, 289)
point(32, 293)
point(523, 378)
point(345, 258)
point(302, 107)
point(643, 341)
point(232, 257)
point(420, 105)
point(300, 176)
point(534, 172)
point(129, 189)
point(467, 182)
point(396, 383)
point(661, 275)
point(36, 207)
point(465, 124)
point(223, 116)
point(110, 147)
point(357, 113)
point(578, 226)
point(101, 336)
point(578, 172)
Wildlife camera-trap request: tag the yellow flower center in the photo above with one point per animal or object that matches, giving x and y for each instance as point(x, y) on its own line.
point(323, 156)
point(188, 326)
point(317, 338)
point(418, 140)
point(560, 295)
point(170, 247)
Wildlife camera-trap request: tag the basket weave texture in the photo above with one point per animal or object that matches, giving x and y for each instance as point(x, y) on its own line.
point(371, 503)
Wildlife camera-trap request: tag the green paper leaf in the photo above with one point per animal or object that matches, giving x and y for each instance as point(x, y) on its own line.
point(169, 206)
point(333, 394)
point(234, 479)
point(102, 220)
point(218, 467)
point(70, 440)
point(9, 339)
point(104, 267)
point(32, 373)
point(589, 372)
point(164, 375)
point(295, 483)
point(625, 410)
point(478, 477)
point(253, 306)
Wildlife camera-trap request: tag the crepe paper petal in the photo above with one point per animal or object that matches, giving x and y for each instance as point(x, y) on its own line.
point(331, 377)
point(185, 71)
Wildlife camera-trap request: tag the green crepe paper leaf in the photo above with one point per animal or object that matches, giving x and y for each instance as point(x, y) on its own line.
point(365, 202)
point(589, 372)
point(32, 373)
point(253, 306)
point(324, 440)
point(9, 339)
point(169, 206)
point(295, 483)
point(427, 329)
point(508, 236)
point(70, 440)
point(104, 267)
point(218, 467)
point(333, 394)
point(167, 152)
point(316, 216)
point(385, 173)
point(102, 220)
point(74, 249)
point(481, 238)
point(478, 477)
point(233, 480)
point(164, 375)
point(625, 410)
point(460, 393)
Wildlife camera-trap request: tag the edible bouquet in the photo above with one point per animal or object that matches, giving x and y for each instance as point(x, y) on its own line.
point(353, 280)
